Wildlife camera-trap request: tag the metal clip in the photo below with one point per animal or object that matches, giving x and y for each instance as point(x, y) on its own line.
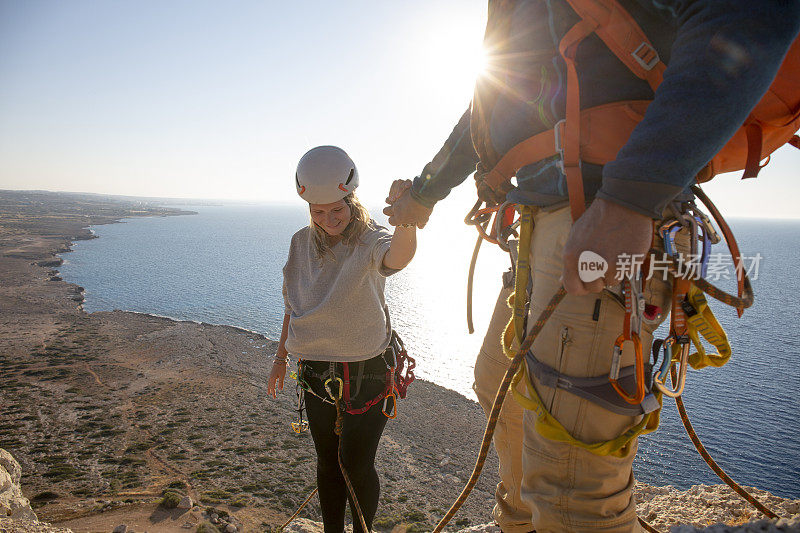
point(300, 426)
point(330, 392)
point(613, 374)
point(660, 378)
point(634, 297)
point(641, 53)
point(393, 412)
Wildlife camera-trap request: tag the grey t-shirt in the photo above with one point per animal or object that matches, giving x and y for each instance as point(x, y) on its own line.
point(335, 304)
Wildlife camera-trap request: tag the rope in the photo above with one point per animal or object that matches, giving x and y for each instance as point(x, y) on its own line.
point(470, 280)
point(713, 464)
point(497, 405)
point(648, 527)
point(302, 505)
point(338, 430)
point(707, 287)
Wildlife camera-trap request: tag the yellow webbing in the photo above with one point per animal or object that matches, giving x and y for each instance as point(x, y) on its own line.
point(546, 425)
point(705, 323)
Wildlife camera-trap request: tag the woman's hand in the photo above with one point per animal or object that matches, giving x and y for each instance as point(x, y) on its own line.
point(397, 189)
point(277, 374)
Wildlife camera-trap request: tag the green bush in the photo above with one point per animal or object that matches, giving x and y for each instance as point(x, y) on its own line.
point(241, 501)
point(171, 500)
point(207, 527)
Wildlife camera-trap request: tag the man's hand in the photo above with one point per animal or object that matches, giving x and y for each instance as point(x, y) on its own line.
point(405, 210)
point(610, 230)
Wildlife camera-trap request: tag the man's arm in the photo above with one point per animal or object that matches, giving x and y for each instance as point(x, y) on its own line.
point(449, 168)
point(725, 55)
point(723, 60)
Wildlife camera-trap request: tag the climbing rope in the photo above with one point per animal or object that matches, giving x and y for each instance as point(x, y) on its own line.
point(337, 429)
point(713, 464)
point(302, 505)
point(648, 527)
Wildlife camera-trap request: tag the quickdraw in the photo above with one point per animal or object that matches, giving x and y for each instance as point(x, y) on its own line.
point(691, 317)
point(632, 325)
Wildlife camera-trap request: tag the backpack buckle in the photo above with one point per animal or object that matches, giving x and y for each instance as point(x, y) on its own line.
point(646, 56)
point(558, 132)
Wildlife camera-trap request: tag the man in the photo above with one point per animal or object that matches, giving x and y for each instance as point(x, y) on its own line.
point(721, 57)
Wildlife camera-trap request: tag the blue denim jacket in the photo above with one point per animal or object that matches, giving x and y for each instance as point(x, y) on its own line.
point(721, 56)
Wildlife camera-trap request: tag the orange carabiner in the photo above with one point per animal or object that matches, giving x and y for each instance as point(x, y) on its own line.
point(613, 374)
point(393, 413)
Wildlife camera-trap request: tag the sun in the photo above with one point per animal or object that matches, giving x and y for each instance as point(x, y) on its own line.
point(452, 55)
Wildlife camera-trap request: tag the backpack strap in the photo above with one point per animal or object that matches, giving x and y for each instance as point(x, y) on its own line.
point(571, 136)
point(623, 36)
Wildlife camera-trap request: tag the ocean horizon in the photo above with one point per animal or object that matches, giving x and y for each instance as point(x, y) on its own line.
point(224, 266)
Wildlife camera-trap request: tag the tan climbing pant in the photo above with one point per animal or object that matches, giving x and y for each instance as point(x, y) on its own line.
point(509, 512)
point(568, 488)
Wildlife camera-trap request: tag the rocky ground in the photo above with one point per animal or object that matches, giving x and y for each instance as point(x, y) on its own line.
point(108, 412)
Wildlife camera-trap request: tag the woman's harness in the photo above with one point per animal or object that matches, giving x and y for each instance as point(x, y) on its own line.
point(344, 380)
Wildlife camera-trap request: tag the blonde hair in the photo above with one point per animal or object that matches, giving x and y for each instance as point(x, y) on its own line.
point(359, 223)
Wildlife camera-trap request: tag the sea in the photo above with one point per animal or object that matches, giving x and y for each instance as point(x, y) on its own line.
point(224, 264)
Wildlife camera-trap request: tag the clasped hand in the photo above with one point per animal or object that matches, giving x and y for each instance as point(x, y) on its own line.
point(403, 208)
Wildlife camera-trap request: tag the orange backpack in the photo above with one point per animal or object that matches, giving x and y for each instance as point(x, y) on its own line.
point(596, 135)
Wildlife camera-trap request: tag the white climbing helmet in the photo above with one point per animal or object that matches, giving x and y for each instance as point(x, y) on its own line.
point(325, 174)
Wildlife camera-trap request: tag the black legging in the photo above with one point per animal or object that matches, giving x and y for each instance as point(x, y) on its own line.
point(360, 437)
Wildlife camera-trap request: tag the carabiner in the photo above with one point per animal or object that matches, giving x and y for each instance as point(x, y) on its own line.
point(634, 305)
point(613, 374)
point(503, 225)
point(666, 358)
point(393, 413)
point(300, 426)
point(667, 232)
point(330, 392)
point(659, 380)
point(707, 243)
point(708, 226)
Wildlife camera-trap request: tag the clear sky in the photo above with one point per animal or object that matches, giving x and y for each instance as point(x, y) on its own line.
point(202, 99)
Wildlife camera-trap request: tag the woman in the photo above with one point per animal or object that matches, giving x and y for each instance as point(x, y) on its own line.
point(336, 322)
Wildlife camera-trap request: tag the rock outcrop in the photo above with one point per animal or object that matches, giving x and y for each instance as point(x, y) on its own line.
point(16, 515)
point(12, 502)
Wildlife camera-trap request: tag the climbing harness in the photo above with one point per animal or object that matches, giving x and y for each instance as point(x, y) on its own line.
point(601, 389)
point(398, 376)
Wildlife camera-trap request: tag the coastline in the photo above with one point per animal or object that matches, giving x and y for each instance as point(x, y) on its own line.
point(158, 400)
